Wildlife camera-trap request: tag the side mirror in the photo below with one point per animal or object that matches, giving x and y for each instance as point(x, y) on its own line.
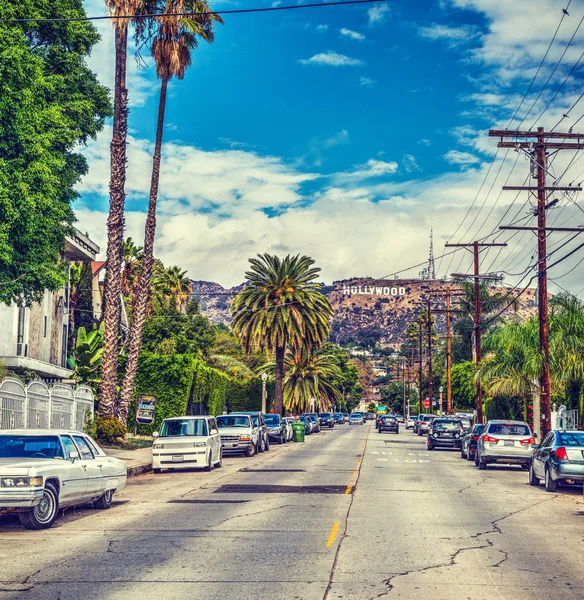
point(535, 435)
point(155, 434)
point(73, 455)
point(214, 431)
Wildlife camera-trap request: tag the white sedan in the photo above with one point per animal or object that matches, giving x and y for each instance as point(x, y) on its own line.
point(42, 471)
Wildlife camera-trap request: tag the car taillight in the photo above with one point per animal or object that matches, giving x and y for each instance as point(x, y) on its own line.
point(561, 454)
point(528, 442)
point(475, 438)
point(488, 438)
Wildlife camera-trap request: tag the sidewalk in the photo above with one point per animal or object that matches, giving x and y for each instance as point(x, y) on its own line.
point(137, 461)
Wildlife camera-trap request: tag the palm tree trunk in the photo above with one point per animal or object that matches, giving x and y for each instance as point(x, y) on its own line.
point(278, 391)
point(115, 228)
point(143, 293)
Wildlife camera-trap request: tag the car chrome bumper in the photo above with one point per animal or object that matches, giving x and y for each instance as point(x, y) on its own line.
point(454, 442)
point(518, 455)
point(10, 499)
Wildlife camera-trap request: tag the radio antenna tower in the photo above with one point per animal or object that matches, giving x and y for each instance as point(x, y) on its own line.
point(431, 266)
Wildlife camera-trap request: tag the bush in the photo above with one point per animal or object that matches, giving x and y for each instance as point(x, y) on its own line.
point(109, 429)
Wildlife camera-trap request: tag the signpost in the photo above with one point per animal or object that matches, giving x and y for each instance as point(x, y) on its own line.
point(427, 403)
point(145, 409)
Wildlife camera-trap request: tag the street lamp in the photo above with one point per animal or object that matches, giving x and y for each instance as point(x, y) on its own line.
point(441, 389)
point(264, 377)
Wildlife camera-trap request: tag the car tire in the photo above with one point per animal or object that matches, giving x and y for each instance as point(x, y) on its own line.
point(45, 513)
point(104, 501)
point(429, 447)
point(397, 430)
point(525, 466)
point(550, 484)
point(533, 479)
point(469, 456)
point(251, 450)
point(267, 445)
point(476, 460)
point(462, 454)
point(261, 445)
point(156, 470)
point(482, 465)
point(219, 463)
point(209, 466)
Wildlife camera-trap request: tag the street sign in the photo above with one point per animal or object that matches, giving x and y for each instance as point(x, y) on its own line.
point(427, 403)
point(145, 409)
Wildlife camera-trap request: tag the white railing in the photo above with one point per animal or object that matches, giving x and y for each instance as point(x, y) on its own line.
point(38, 406)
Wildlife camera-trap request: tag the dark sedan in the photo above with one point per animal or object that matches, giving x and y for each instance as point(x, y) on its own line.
point(276, 429)
point(326, 420)
point(444, 433)
point(559, 459)
point(308, 427)
point(388, 423)
point(470, 438)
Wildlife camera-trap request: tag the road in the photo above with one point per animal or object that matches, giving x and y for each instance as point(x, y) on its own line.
point(357, 515)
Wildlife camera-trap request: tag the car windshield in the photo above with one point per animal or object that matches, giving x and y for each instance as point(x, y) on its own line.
point(312, 417)
point(303, 419)
point(447, 425)
point(325, 415)
point(575, 438)
point(272, 419)
point(181, 427)
point(509, 429)
point(389, 418)
point(228, 421)
point(30, 446)
point(478, 429)
point(355, 416)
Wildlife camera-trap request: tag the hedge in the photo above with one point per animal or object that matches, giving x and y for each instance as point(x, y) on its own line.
point(247, 394)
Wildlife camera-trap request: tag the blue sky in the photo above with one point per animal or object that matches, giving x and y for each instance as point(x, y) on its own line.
point(340, 132)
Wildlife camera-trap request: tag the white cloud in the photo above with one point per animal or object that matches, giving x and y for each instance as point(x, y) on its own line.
point(464, 159)
point(321, 28)
point(367, 82)
point(410, 164)
point(331, 59)
point(377, 13)
point(354, 35)
point(454, 36)
point(372, 168)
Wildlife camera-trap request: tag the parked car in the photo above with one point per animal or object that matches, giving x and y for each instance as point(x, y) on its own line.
point(424, 424)
point(466, 423)
point(444, 433)
point(410, 422)
point(469, 441)
point(326, 420)
point(259, 420)
point(507, 442)
point(45, 470)
point(276, 429)
point(370, 417)
point(238, 434)
point(346, 416)
point(289, 430)
point(308, 424)
point(388, 423)
point(356, 419)
point(192, 441)
point(400, 418)
point(315, 422)
point(417, 421)
point(339, 418)
point(558, 459)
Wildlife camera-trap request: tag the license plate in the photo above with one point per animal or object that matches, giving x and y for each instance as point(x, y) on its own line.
point(509, 443)
point(178, 459)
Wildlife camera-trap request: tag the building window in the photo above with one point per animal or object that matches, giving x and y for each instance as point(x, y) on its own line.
point(20, 345)
point(64, 347)
point(45, 327)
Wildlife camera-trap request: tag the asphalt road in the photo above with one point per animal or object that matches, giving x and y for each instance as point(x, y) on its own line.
point(350, 514)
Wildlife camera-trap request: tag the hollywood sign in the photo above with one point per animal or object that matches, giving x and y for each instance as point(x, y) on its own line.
point(354, 290)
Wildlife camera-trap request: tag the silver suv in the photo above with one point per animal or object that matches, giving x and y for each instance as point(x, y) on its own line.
point(505, 442)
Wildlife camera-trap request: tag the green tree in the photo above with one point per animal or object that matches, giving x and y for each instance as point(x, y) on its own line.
point(393, 397)
point(84, 304)
point(464, 389)
point(50, 103)
point(281, 307)
point(372, 406)
point(86, 359)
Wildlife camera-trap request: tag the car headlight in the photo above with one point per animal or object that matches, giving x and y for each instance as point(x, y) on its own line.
point(11, 482)
point(199, 444)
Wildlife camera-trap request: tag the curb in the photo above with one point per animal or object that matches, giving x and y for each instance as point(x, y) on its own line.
point(139, 469)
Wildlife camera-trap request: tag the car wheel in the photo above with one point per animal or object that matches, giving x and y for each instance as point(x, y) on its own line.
point(469, 456)
point(462, 454)
point(209, 466)
point(525, 466)
point(533, 479)
point(267, 445)
point(219, 463)
point(251, 450)
point(45, 513)
point(550, 484)
point(397, 430)
point(429, 447)
point(154, 470)
point(104, 501)
point(483, 465)
point(262, 444)
point(476, 460)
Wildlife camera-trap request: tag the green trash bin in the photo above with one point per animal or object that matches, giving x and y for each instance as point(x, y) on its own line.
point(298, 429)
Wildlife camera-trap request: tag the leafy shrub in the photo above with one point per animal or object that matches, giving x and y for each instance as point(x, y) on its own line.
point(109, 429)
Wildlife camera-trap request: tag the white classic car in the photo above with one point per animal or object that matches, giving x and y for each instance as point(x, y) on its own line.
point(187, 442)
point(44, 470)
point(238, 434)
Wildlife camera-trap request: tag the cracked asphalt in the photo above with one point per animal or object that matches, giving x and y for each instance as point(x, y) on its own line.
point(357, 515)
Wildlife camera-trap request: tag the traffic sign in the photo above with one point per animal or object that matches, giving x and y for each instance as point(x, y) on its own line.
point(427, 403)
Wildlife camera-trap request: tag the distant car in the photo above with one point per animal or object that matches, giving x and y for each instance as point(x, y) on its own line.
point(424, 424)
point(370, 417)
point(417, 421)
point(186, 442)
point(238, 434)
point(469, 441)
point(45, 470)
point(339, 418)
point(308, 424)
point(259, 420)
point(326, 420)
point(559, 459)
point(356, 419)
point(466, 423)
point(289, 430)
point(400, 418)
point(444, 433)
point(410, 422)
point(276, 428)
point(388, 423)
point(315, 422)
point(507, 442)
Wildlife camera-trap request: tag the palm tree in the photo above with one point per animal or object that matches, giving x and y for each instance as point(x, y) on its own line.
point(308, 376)
point(173, 40)
point(177, 286)
point(132, 259)
point(281, 307)
point(115, 221)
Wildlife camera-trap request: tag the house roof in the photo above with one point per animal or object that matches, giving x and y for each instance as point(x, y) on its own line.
point(97, 266)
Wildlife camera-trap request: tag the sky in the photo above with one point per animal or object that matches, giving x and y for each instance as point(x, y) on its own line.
point(349, 132)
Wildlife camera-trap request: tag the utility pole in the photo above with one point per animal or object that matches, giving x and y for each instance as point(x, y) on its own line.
point(420, 365)
point(477, 309)
point(404, 386)
point(537, 154)
point(409, 383)
point(430, 384)
point(448, 355)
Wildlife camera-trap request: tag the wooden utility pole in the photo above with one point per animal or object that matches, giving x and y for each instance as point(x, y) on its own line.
point(476, 246)
point(420, 401)
point(409, 384)
point(537, 154)
point(448, 355)
point(430, 383)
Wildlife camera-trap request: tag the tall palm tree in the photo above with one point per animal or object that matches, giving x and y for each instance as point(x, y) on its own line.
point(174, 39)
point(116, 221)
point(281, 307)
point(309, 376)
point(177, 286)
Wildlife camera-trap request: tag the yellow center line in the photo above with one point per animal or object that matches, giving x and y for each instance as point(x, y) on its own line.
point(348, 490)
point(333, 535)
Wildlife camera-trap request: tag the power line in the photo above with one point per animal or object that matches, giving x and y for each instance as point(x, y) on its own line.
point(235, 11)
